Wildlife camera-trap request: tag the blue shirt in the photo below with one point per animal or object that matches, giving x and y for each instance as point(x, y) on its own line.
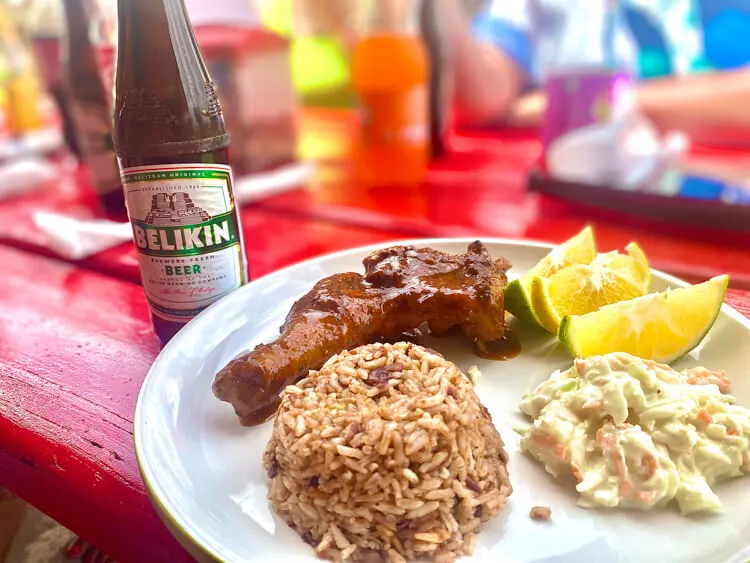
point(647, 37)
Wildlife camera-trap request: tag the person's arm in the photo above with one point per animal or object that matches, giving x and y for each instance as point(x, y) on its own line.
point(528, 110)
point(487, 79)
point(709, 107)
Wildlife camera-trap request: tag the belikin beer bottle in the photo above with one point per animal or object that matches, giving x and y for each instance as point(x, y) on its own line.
point(173, 151)
point(91, 108)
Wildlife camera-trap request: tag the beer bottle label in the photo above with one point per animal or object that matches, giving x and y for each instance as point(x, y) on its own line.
point(187, 235)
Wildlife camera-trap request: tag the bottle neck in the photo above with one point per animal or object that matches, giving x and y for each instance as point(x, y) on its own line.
point(136, 16)
point(79, 56)
point(166, 103)
point(390, 17)
point(78, 25)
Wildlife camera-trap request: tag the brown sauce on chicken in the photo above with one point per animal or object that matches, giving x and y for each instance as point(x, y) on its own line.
point(403, 288)
point(505, 348)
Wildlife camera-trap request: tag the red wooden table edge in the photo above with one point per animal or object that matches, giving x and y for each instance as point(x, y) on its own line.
point(117, 485)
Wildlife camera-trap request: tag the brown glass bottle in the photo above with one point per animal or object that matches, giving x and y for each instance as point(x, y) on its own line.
point(434, 36)
point(91, 108)
point(173, 151)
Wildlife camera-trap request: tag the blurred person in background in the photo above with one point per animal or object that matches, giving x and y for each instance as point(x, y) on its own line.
point(502, 55)
point(691, 54)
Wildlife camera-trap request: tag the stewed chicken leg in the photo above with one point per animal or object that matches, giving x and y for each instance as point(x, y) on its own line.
point(403, 288)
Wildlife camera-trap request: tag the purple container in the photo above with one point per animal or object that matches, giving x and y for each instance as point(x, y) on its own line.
point(579, 98)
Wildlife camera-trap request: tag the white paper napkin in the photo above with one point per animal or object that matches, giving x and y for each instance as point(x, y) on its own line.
point(76, 239)
point(25, 175)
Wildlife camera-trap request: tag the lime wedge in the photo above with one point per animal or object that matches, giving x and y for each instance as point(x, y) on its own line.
point(581, 289)
point(634, 264)
point(660, 326)
point(580, 249)
point(641, 264)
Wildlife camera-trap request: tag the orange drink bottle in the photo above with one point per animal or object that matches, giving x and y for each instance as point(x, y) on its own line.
point(390, 76)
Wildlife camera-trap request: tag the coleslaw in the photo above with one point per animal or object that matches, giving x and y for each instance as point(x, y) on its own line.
point(635, 433)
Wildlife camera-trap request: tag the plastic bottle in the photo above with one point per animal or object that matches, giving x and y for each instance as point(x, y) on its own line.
point(589, 70)
point(24, 87)
point(390, 77)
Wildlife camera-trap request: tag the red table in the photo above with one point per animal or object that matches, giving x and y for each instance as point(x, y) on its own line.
point(273, 240)
point(76, 341)
point(479, 189)
point(75, 346)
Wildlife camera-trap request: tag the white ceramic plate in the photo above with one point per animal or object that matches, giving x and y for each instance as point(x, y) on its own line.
point(205, 474)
